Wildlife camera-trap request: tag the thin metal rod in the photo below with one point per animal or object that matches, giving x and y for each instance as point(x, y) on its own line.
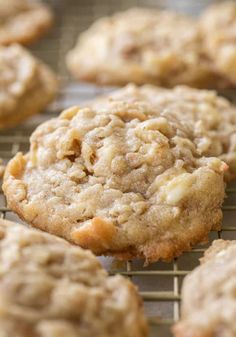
point(159, 296)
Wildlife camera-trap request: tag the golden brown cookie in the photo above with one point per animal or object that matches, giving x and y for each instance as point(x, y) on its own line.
point(218, 24)
point(209, 303)
point(120, 179)
point(27, 85)
point(23, 21)
point(210, 118)
point(49, 288)
point(143, 45)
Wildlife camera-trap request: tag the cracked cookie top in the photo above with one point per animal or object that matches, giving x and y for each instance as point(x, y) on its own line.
point(209, 118)
point(122, 179)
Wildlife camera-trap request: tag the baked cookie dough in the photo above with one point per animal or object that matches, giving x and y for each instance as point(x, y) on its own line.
point(218, 24)
point(142, 46)
point(49, 288)
point(211, 119)
point(23, 21)
point(27, 85)
point(208, 295)
point(121, 179)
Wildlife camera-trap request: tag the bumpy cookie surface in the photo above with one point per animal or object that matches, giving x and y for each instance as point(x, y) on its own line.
point(218, 25)
point(50, 288)
point(209, 302)
point(26, 85)
point(211, 119)
point(23, 21)
point(119, 179)
point(142, 46)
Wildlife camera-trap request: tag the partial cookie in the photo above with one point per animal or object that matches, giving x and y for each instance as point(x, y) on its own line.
point(121, 179)
point(2, 168)
point(218, 24)
point(49, 288)
point(211, 119)
point(27, 85)
point(142, 46)
point(208, 295)
point(23, 21)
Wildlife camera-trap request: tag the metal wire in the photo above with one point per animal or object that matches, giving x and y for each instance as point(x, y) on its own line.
point(159, 283)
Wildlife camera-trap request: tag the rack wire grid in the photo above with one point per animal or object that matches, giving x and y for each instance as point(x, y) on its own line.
point(160, 283)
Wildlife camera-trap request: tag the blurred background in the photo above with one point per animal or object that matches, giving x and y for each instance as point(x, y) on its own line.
point(73, 17)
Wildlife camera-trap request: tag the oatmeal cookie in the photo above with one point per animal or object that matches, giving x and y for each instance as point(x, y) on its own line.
point(211, 119)
point(218, 24)
point(120, 179)
point(26, 85)
point(23, 21)
point(209, 302)
point(142, 46)
point(49, 288)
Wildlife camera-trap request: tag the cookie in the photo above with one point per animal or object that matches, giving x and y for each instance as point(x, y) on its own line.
point(23, 21)
point(218, 24)
point(27, 85)
point(211, 119)
point(209, 303)
point(2, 168)
point(121, 179)
point(142, 46)
point(50, 288)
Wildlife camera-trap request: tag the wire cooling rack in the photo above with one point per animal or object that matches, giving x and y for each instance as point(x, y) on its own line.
point(159, 283)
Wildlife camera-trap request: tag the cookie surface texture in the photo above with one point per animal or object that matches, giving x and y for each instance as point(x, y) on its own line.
point(50, 288)
point(119, 179)
point(218, 24)
point(142, 46)
point(208, 307)
point(210, 118)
